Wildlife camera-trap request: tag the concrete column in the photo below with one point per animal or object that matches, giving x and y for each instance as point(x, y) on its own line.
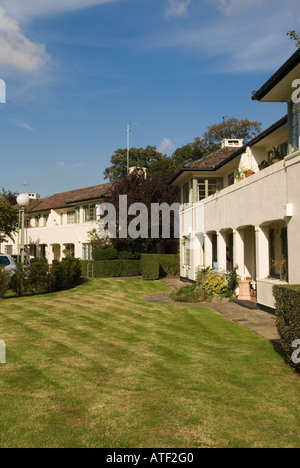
point(222, 257)
point(49, 253)
point(239, 251)
point(262, 252)
point(207, 250)
point(78, 249)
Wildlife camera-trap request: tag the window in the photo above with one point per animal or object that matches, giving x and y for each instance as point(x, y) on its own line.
point(37, 221)
point(46, 217)
point(8, 250)
point(186, 193)
point(61, 219)
point(28, 221)
point(43, 251)
point(284, 149)
point(89, 213)
point(87, 251)
point(187, 252)
point(207, 187)
point(231, 179)
point(294, 133)
point(278, 251)
point(73, 217)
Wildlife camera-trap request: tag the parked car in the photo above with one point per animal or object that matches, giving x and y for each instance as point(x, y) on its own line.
point(17, 259)
point(8, 262)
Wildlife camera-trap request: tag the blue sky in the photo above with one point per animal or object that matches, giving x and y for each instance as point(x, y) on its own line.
point(78, 70)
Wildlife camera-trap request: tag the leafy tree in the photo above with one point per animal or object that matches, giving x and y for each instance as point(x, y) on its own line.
point(231, 128)
point(295, 37)
point(187, 154)
point(152, 189)
point(4, 281)
point(211, 141)
point(8, 217)
point(154, 161)
point(157, 163)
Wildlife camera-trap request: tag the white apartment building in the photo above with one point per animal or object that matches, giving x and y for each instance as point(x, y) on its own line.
point(60, 224)
point(253, 222)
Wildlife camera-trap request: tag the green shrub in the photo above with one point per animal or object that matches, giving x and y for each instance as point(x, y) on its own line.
point(57, 277)
point(213, 285)
point(170, 264)
point(4, 281)
point(150, 267)
point(19, 280)
point(72, 272)
point(190, 293)
point(126, 255)
point(287, 303)
point(157, 266)
point(232, 279)
point(113, 268)
point(38, 277)
point(105, 254)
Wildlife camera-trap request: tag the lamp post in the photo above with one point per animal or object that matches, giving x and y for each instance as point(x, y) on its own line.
point(23, 201)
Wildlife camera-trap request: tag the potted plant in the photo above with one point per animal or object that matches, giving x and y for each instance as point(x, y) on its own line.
point(263, 165)
point(239, 174)
point(276, 155)
point(248, 172)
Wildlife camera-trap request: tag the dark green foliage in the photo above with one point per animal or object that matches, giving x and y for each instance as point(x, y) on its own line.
point(150, 267)
point(72, 271)
point(4, 281)
point(8, 217)
point(105, 254)
point(38, 278)
point(126, 255)
point(113, 268)
point(287, 303)
point(19, 283)
point(233, 280)
point(157, 266)
point(42, 278)
point(57, 277)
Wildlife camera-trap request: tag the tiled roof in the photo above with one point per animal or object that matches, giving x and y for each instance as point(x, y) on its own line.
point(211, 161)
point(67, 199)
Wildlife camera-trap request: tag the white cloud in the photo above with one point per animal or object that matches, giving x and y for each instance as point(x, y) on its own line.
point(235, 6)
point(254, 40)
point(24, 10)
point(62, 165)
point(16, 50)
point(25, 125)
point(177, 8)
point(165, 145)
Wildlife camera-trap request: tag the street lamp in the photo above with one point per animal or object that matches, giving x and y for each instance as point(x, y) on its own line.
point(23, 201)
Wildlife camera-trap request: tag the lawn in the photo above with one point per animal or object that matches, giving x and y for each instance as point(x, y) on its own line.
point(97, 366)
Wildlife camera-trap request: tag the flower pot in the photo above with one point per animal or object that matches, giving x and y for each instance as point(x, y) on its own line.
point(261, 167)
point(249, 173)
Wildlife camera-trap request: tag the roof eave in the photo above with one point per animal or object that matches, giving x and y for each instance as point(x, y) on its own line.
point(283, 71)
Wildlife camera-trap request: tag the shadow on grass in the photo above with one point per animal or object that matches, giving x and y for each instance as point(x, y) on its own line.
point(12, 295)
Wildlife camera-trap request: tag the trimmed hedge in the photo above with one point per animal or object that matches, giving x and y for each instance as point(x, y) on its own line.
point(105, 254)
point(157, 266)
point(287, 300)
point(113, 268)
